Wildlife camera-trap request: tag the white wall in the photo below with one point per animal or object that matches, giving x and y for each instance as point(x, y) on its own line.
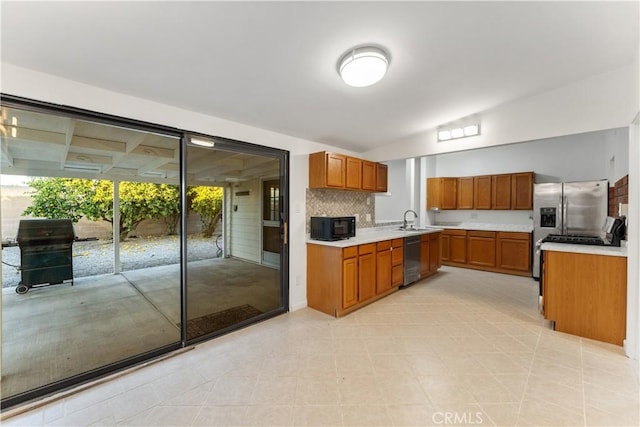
point(632, 343)
point(589, 156)
point(390, 206)
point(600, 102)
point(580, 157)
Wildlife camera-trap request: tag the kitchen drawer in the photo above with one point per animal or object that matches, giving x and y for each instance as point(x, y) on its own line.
point(475, 233)
point(350, 252)
point(369, 248)
point(384, 245)
point(513, 235)
point(397, 243)
point(454, 232)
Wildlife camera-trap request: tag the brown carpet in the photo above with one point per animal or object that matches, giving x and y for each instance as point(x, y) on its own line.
point(216, 321)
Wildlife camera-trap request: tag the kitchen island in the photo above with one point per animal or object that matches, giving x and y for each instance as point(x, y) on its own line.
point(584, 290)
point(345, 275)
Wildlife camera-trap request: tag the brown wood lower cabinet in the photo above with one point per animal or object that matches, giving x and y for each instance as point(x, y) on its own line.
point(366, 272)
point(514, 251)
point(341, 280)
point(454, 247)
point(498, 251)
point(389, 264)
point(383, 263)
point(586, 294)
point(429, 254)
point(481, 246)
point(397, 262)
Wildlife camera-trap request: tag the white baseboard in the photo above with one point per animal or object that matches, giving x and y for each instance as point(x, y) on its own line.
point(297, 306)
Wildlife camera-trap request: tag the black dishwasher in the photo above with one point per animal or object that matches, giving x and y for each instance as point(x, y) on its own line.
point(411, 260)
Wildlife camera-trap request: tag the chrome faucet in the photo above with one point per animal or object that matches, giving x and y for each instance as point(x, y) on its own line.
point(405, 217)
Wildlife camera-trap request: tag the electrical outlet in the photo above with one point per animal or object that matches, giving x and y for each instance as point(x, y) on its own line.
point(357, 217)
point(474, 215)
point(369, 217)
point(368, 201)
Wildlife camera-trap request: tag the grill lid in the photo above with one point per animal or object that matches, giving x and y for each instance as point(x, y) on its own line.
point(45, 231)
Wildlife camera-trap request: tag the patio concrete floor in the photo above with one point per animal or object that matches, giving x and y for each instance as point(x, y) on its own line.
point(53, 332)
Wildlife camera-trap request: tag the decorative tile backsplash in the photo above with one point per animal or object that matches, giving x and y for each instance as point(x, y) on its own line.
point(322, 202)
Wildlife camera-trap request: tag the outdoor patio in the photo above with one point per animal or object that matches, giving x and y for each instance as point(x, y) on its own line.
point(54, 332)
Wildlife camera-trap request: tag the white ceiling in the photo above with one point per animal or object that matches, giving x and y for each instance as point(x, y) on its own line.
point(273, 64)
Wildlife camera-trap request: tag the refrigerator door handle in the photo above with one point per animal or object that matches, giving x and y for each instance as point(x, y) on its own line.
point(560, 215)
point(565, 209)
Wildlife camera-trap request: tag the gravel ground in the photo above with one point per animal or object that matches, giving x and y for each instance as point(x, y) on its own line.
point(96, 257)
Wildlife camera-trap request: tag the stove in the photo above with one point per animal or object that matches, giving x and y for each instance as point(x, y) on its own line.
point(574, 239)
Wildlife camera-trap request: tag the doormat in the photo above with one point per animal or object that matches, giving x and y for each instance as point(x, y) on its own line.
point(216, 321)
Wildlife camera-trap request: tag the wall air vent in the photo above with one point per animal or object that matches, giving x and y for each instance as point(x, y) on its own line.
point(242, 193)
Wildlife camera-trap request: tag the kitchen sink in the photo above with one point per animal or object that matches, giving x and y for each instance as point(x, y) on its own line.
point(415, 229)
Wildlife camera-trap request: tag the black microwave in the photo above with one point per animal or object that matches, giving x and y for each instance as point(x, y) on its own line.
point(333, 227)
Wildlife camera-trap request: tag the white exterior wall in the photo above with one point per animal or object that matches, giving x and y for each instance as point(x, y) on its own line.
point(244, 220)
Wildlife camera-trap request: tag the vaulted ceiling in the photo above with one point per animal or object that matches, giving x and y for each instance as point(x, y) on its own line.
point(272, 65)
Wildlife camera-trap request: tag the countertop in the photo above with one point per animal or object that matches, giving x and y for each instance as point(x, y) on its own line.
point(479, 226)
point(374, 234)
point(585, 249)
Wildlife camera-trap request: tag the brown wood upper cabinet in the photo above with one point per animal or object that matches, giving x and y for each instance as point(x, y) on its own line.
point(442, 193)
point(353, 174)
point(482, 192)
point(381, 177)
point(369, 175)
point(522, 190)
point(465, 193)
point(501, 191)
point(337, 171)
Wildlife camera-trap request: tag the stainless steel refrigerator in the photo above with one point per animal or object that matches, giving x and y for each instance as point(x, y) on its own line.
point(568, 208)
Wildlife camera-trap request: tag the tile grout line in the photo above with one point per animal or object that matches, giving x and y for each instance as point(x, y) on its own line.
point(533, 359)
point(584, 401)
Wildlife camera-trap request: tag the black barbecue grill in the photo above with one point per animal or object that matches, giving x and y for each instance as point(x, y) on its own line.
point(46, 255)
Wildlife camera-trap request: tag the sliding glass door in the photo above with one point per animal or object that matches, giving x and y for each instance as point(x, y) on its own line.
point(228, 283)
point(123, 241)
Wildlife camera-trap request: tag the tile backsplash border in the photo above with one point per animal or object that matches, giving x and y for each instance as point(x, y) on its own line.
point(323, 202)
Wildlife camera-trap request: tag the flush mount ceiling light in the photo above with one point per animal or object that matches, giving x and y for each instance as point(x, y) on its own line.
point(363, 66)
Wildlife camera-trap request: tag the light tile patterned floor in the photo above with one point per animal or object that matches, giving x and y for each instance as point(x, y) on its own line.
point(460, 348)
